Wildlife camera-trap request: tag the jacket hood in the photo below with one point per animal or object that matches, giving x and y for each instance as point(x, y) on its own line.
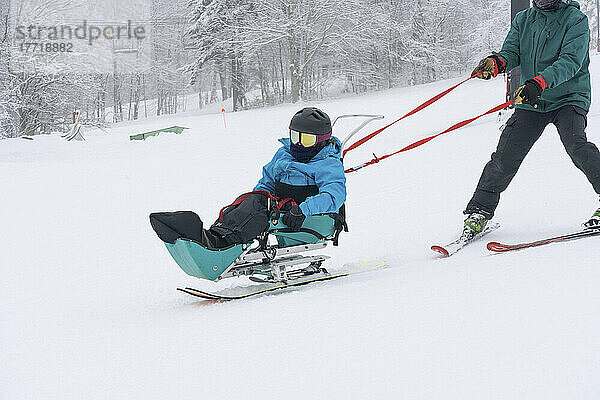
point(331, 150)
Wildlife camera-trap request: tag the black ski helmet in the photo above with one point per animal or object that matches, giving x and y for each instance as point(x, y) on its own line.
point(546, 4)
point(311, 120)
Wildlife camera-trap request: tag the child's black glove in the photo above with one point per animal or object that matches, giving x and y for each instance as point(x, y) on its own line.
point(294, 218)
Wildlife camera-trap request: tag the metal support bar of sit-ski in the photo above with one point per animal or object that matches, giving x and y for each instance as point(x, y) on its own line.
point(281, 252)
point(370, 118)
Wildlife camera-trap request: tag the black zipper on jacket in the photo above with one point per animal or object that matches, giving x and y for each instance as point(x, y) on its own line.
point(533, 51)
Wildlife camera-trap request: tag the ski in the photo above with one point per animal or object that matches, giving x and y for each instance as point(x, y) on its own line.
point(242, 292)
point(253, 290)
point(503, 248)
point(452, 248)
point(197, 293)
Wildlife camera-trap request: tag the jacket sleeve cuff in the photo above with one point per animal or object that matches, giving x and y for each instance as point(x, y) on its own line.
point(500, 64)
point(541, 81)
point(305, 210)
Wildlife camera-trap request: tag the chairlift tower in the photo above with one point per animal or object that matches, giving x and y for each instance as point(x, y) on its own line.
point(598, 25)
point(514, 75)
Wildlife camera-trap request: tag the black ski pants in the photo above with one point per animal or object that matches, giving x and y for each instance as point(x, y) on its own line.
point(522, 130)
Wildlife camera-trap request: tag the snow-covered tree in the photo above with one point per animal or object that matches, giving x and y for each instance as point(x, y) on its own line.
point(7, 127)
point(255, 52)
point(217, 37)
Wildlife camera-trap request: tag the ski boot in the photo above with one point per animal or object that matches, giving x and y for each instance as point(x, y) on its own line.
point(594, 222)
point(474, 225)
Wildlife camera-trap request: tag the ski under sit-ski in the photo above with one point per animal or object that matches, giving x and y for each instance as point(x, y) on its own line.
point(257, 288)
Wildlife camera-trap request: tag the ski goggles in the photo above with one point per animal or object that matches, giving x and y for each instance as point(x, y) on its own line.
point(307, 139)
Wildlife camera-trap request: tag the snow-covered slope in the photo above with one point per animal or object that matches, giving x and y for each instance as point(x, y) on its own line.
point(88, 308)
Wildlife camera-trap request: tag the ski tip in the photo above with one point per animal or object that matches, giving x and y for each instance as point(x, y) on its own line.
point(495, 246)
point(440, 250)
point(196, 293)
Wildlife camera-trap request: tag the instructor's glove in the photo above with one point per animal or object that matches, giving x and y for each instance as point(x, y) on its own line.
point(531, 91)
point(489, 67)
point(294, 218)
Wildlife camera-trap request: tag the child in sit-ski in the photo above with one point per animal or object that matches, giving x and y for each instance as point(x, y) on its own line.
point(304, 178)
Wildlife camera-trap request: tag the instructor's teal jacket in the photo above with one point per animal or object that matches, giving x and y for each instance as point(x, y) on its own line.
point(553, 44)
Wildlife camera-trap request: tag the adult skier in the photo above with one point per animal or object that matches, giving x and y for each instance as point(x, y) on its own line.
point(550, 41)
point(307, 169)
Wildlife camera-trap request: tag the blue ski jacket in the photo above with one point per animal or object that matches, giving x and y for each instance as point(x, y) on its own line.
point(325, 170)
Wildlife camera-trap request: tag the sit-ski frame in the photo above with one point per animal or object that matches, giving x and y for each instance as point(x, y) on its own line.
point(273, 261)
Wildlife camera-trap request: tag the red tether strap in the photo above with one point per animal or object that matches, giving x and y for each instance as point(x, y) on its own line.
point(243, 197)
point(285, 201)
point(419, 108)
point(427, 139)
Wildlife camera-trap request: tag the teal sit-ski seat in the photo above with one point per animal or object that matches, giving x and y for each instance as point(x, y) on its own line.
point(315, 229)
point(196, 260)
